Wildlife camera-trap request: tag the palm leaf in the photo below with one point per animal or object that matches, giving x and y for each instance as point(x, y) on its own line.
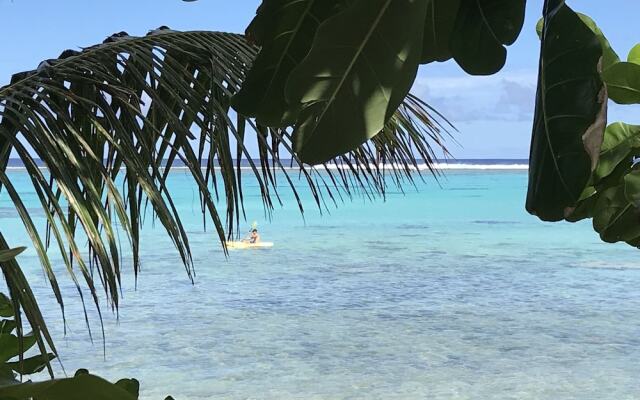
point(111, 121)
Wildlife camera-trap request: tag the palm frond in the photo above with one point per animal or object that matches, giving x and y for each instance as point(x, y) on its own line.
point(111, 121)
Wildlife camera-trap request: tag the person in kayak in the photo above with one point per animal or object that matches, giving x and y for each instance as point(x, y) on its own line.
point(254, 237)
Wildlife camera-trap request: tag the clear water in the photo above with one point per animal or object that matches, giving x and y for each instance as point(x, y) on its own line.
point(451, 292)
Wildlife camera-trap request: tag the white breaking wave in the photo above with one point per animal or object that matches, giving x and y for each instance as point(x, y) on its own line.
point(443, 166)
point(482, 166)
point(421, 167)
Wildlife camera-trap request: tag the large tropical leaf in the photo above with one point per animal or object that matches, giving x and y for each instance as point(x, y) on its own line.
point(616, 212)
point(24, 305)
point(438, 29)
point(482, 30)
point(620, 143)
point(355, 76)
point(614, 199)
point(609, 56)
point(11, 347)
point(80, 387)
point(32, 365)
point(623, 79)
point(285, 30)
point(6, 307)
point(634, 54)
point(570, 114)
point(110, 122)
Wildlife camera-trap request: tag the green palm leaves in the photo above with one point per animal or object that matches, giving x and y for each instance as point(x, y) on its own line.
point(119, 110)
point(110, 123)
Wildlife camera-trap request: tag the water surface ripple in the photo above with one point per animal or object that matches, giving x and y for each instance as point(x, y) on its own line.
point(425, 295)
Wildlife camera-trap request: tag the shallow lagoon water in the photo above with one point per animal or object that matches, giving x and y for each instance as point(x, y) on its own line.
point(448, 292)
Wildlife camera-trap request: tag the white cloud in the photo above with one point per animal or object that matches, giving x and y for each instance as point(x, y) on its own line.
point(506, 96)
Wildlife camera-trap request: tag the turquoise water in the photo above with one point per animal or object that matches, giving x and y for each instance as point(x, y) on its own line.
point(451, 292)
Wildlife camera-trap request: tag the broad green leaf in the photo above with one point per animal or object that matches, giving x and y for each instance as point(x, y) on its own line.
point(24, 300)
point(285, 40)
point(7, 376)
point(615, 218)
point(619, 140)
point(7, 326)
point(584, 208)
point(6, 306)
point(6, 255)
point(632, 188)
point(483, 28)
point(132, 386)
point(355, 76)
point(10, 345)
point(80, 387)
point(262, 27)
point(570, 114)
point(438, 28)
point(31, 365)
point(634, 54)
point(609, 56)
point(623, 82)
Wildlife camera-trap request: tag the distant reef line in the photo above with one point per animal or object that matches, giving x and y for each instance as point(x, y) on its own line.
point(448, 164)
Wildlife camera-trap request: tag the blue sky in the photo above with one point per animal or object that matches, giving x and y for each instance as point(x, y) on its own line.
point(493, 114)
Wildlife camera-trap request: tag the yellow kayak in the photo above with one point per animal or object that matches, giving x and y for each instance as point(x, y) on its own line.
point(247, 245)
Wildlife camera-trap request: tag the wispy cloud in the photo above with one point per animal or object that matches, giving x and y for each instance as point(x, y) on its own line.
point(504, 97)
